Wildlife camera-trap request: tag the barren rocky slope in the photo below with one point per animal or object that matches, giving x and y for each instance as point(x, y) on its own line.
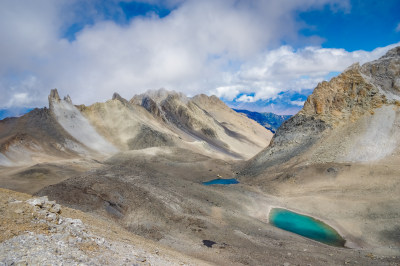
point(36, 231)
point(166, 118)
point(35, 136)
point(103, 129)
point(51, 144)
point(360, 108)
point(338, 158)
point(157, 193)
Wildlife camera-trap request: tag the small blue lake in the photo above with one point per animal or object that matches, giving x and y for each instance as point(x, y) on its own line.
point(221, 181)
point(305, 226)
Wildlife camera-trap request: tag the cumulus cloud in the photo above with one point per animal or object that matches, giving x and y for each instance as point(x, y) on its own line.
point(214, 47)
point(286, 69)
point(188, 50)
point(298, 103)
point(397, 29)
point(228, 92)
point(246, 99)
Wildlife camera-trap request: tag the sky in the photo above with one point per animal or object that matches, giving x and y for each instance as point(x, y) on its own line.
point(257, 55)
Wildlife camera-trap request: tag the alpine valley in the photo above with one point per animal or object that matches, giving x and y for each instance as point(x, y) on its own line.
point(121, 182)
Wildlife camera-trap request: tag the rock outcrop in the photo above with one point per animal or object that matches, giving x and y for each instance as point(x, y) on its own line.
point(53, 97)
point(151, 106)
point(118, 97)
point(384, 73)
point(346, 97)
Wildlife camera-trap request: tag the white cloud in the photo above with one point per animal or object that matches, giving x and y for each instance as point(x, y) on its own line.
point(285, 69)
point(188, 50)
point(265, 92)
point(18, 99)
point(228, 92)
point(246, 99)
point(298, 103)
point(201, 46)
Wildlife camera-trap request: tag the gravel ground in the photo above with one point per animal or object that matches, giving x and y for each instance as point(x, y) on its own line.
point(36, 233)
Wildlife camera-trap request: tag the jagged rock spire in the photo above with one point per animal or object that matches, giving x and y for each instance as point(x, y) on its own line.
point(151, 106)
point(53, 97)
point(118, 97)
point(68, 99)
point(394, 52)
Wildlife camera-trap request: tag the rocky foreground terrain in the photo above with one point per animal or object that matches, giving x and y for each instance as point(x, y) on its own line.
point(36, 231)
point(132, 173)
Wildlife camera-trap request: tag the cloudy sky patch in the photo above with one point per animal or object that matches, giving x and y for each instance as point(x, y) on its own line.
point(241, 51)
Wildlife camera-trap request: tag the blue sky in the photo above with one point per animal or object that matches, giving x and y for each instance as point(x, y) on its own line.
point(259, 55)
point(365, 26)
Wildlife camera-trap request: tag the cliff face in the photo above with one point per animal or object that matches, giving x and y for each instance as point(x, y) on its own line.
point(344, 98)
point(384, 73)
point(358, 90)
point(341, 116)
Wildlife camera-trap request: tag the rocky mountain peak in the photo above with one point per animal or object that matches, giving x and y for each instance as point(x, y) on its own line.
point(358, 90)
point(68, 99)
point(205, 100)
point(54, 98)
point(384, 74)
point(151, 106)
point(344, 98)
point(118, 97)
point(394, 52)
point(54, 95)
point(158, 96)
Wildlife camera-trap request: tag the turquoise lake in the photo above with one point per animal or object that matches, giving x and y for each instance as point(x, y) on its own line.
point(221, 181)
point(305, 226)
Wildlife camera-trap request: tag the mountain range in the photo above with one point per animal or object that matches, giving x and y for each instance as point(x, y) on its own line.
point(135, 169)
point(270, 121)
point(157, 118)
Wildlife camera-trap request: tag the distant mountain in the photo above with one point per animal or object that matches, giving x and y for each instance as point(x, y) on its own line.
point(270, 121)
point(157, 118)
